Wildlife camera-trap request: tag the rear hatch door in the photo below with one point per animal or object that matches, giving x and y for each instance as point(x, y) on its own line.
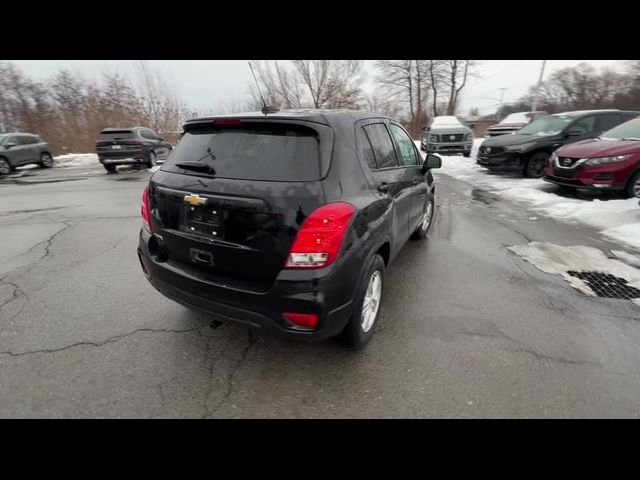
point(232, 196)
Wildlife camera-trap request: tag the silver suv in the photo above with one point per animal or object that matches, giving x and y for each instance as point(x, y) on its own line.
point(18, 149)
point(448, 134)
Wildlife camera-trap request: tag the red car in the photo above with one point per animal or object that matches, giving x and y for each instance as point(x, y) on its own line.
point(609, 162)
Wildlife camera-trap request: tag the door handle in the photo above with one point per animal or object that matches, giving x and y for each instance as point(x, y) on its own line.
point(383, 187)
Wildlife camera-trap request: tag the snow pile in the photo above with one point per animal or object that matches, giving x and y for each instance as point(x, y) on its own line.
point(618, 219)
point(556, 259)
point(76, 160)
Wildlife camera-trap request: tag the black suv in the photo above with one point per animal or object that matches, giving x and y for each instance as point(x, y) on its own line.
point(131, 146)
point(286, 222)
point(528, 150)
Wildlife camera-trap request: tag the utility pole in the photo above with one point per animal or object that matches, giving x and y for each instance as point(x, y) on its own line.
point(535, 97)
point(500, 107)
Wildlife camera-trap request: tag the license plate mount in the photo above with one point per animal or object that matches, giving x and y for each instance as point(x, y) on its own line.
point(203, 220)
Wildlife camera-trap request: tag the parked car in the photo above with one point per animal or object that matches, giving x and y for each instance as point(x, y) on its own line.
point(513, 122)
point(448, 134)
point(528, 150)
point(19, 149)
point(610, 162)
point(131, 146)
point(286, 222)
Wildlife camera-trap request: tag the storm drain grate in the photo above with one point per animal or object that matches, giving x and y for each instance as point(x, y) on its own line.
point(606, 285)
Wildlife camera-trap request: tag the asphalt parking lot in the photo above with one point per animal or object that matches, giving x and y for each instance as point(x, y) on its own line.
point(467, 328)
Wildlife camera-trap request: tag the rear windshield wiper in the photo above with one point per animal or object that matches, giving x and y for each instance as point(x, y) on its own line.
point(196, 167)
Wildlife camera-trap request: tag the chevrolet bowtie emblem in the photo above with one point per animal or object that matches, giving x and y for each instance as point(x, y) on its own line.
point(194, 199)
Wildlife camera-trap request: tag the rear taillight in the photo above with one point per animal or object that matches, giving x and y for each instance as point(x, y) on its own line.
point(304, 320)
point(135, 142)
point(146, 213)
point(319, 239)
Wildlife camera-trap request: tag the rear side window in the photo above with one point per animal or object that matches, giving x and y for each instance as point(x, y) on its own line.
point(27, 140)
point(148, 134)
point(366, 151)
point(117, 135)
point(278, 152)
point(607, 121)
point(382, 146)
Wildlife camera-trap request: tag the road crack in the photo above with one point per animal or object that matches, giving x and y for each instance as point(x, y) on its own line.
point(527, 349)
point(230, 377)
point(115, 338)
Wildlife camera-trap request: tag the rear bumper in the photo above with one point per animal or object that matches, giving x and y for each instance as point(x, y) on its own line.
point(256, 310)
point(122, 161)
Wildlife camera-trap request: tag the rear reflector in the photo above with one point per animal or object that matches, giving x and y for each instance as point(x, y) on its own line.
point(227, 123)
point(304, 320)
point(320, 237)
point(146, 213)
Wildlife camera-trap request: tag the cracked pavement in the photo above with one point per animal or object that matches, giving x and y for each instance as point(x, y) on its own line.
point(467, 329)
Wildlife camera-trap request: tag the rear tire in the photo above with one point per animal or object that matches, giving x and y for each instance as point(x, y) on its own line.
point(5, 166)
point(426, 222)
point(536, 165)
point(633, 187)
point(366, 310)
point(110, 168)
point(467, 154)
point(46, 160)
point(153, 159)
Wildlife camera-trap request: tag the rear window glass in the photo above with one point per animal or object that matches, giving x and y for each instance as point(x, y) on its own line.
point(251, 152)
point(382, 145)
point(117, 135)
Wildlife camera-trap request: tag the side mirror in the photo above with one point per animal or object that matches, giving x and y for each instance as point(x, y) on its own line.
point(9, 145)
point(471, 125)
point(161, 139)
point(432, 161)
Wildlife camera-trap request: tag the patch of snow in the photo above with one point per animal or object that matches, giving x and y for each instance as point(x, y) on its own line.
point(76, 160)
point(618, 219)
point(557, 259)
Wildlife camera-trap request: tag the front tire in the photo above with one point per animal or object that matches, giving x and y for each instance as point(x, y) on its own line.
point(109, 168)
point(633, 187)
point(46, 160)
point(359, 330)
point(467, 154)
point(536, 165)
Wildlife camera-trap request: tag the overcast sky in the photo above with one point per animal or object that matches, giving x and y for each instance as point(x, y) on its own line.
point(205, 83)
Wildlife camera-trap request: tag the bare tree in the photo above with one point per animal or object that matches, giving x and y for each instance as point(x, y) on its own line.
point(159, 104)
point(380, 104)
point(278, 85)
point(409, 82)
